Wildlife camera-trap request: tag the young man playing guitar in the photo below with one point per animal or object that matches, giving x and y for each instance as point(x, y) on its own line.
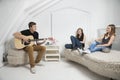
point(23, 35)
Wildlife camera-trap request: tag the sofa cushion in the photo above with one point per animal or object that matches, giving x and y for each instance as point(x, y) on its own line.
point(106, 50)
point(105, 64)
point(112, 57)
point(18, 57)
point(15, 52)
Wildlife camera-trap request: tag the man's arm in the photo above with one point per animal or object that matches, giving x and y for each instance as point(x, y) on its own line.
point(20, 36)
point(39, 43)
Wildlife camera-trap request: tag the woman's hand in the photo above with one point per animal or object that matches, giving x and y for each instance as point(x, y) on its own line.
point(99, 45)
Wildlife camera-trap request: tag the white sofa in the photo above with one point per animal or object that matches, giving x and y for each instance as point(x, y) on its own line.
point(105, 64)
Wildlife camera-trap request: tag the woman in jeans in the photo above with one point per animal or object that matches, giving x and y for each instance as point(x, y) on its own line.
point(78, 42)
point(104, 42)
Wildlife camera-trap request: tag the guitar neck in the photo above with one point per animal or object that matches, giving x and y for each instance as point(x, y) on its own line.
point(37, 39)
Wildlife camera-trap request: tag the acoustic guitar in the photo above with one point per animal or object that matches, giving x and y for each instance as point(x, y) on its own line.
point(19, 43)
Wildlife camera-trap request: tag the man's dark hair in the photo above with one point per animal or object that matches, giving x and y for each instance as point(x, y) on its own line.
point(31, 24)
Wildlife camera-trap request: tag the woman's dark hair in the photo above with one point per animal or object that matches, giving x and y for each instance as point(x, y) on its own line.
point(77, 35)
point(31, 24)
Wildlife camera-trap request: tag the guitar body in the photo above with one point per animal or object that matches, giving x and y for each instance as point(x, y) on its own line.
point(19, 44)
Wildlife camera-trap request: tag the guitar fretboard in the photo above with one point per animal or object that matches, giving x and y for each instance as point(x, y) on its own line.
point(37, 39)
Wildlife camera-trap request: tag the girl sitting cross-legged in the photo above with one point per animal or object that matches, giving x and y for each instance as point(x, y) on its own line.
point(78, 41)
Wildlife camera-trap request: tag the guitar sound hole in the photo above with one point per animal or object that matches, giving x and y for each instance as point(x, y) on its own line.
point(26, 43)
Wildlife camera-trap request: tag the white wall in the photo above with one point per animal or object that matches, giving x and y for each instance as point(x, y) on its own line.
point(100, 14)
point(113, 9)
point(9, 11)
point(15, 15)
point(65, 22)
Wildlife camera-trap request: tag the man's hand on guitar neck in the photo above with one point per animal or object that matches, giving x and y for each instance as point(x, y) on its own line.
point(39, 43)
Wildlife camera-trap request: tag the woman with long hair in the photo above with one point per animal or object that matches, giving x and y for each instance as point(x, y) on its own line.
point(78, 41)
point(104, 42)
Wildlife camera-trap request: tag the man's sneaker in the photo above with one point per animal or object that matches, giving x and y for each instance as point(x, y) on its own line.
point(32, 70)
point(80, 50)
